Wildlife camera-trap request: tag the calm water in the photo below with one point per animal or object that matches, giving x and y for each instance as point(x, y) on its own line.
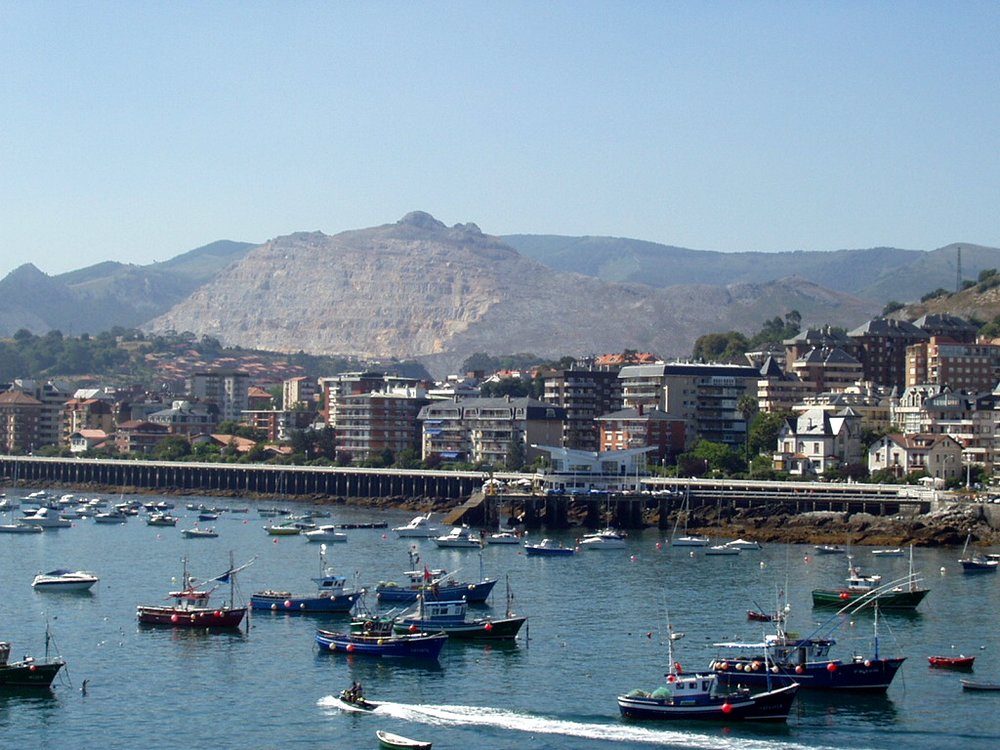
point(596, 628)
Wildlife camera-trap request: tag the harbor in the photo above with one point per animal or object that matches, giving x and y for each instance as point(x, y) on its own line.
point(596, 629)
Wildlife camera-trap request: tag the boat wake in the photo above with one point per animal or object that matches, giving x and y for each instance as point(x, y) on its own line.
point(523, 722)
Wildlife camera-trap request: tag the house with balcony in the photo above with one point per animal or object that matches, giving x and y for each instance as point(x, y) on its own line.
point(814, 442)
point(940, 456)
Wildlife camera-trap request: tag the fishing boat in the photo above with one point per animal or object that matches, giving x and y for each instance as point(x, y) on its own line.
point(434, 583)
point(325, 533)
point(197, 533)
point(399, 742)
point(29, 672)
point(451, 617)
point(191, 608)
point(460, 537)
point(979, 685)
point(755, 615)
point(977, 562)
point(868, 590)
point(604, 539)
point(374, 636)
point(548, 547)
point(786, 657)
point(952, 662)
point(419, 527)
point(331, 595)
point(702, 696)
point(64, 580)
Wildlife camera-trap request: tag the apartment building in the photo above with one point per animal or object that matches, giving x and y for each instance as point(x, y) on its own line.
point(705, 396)
point(814, 442)
point(627, 429)
point(20, 418)
point(938, 455)
point(881, 345)
point(227, 389)
point(585, 395)
point(368, 424)
point(959, 366)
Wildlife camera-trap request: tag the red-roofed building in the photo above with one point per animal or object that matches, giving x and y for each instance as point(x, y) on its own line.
point(20, 416)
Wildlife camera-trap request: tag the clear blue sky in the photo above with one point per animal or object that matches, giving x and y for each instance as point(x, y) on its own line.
point(135, 131)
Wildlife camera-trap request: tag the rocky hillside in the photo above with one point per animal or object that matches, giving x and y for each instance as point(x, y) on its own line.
point(420, 289)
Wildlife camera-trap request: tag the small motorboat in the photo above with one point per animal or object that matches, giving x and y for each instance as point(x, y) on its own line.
point(977, 685)
point(399, 742)
point(690, 540)
point(744, 544)
point(460, 537)
point(723, 549)
point(952, 662)
point(894, 552)
point(161, 519)
point(197, 533)
point(19, 528)
point(603, 539)
point(326, 533)
point(64, 580)
point(418, 527)
point(287, 528)
point(829, 549)
point(503, 537)
point(548, 547)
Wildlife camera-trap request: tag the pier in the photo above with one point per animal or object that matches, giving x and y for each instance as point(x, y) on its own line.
point(551, 509)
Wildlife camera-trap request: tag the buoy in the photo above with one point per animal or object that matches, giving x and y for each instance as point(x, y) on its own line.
point(333, 646)
point(350, 647)
point(755, 666)
point(488, 627)
point(275, 541)
point(774, 669)
point(799, 669)
point(727, 708)
point(302, 605)
point(413, 628)
point(762, 565)
point(632, 558)
point(218, 613)
point(671, 678)
point(723, 666)
point(806, 559)
point(380, 641)
point(273, 606)
point(32, 668)
point(831, 667)
point(868, 662)
point(288, 603)
point(844, 595)
point(659, 545)
point(649, 633)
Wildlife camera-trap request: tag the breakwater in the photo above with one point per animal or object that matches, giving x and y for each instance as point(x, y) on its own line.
point(659, 497)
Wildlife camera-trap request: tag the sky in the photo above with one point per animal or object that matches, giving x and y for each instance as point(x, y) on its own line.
point(136, 131)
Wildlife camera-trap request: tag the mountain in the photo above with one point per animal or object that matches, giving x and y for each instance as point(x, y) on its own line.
point(878, 274)
point(419, 289)
point(100, 297)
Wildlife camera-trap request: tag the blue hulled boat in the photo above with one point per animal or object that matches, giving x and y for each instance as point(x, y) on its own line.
point(375, 637)
point(787, 658)
point(434, 584)
point(548, 547)
point(331, 595)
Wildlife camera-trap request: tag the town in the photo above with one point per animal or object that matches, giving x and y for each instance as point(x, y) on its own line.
point(890, 401)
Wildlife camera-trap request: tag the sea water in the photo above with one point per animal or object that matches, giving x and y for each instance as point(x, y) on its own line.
point(597, 628)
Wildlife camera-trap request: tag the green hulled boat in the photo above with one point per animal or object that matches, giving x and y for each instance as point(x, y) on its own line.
point(861, 591)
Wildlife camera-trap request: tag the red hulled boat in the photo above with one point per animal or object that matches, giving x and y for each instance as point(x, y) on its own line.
point(192, 608)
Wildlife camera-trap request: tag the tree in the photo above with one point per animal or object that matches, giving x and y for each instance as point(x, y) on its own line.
point(720, 347)
point(764, 429)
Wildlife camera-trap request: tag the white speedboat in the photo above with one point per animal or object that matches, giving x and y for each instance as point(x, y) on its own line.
point(690, 541)
point(197, 533)
point(64, 580)
point(743, 544)
point(460, 537)
point(503, 537)
point(603, 539)
point(325, 533)
point(47, 519)
point(895, 552)
point(419, 527)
